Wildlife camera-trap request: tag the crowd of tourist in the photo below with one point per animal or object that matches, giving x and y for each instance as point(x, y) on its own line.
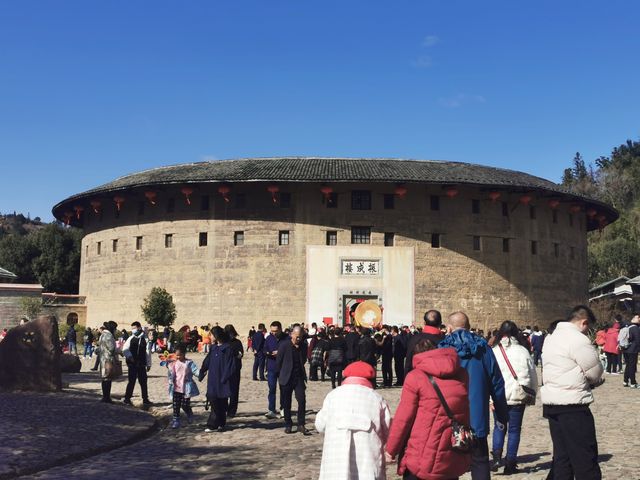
point(459, 385)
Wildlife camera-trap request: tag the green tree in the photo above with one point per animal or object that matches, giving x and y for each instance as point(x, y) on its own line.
point(57, 266)
point(48, 255)
point(31, 306)
point(158, 308)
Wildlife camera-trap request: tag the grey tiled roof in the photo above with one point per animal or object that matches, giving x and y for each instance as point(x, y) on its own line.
point(331, 170)
point(7, 274)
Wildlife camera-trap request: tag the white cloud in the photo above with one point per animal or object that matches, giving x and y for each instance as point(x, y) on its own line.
point(430, 41)
point(461, 99)
point(424, 61)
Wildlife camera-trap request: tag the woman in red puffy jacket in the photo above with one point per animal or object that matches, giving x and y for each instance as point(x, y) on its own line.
point(426, 441)
point(611, 348)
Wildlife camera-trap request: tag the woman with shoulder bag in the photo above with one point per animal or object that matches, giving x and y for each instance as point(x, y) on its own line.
point(431, 423)
point(521, 383)
point(108, 359)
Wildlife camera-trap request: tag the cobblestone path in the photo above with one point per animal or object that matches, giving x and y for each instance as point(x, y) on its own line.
point(257, 448)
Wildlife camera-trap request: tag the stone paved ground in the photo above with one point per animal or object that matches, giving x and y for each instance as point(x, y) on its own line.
point(41, 430)
point(256, 448)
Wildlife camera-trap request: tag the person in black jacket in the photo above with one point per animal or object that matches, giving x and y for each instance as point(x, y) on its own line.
point(399, 353)
point(237, 352)
point(257, 344)
point(351, 340)
point(631, 354)
point(431, 331)
point(139, 363)
point(384, 344)
point(219, 365)
point(292, 376)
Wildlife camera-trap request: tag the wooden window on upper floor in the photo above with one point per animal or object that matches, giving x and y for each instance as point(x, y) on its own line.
point(138, 243)
point(361, 200)
point(477, 243)
point(332, 237)
point(475, 206)
point(168, 240)
point(238, 238)
point(434, 201)
point(389, 201)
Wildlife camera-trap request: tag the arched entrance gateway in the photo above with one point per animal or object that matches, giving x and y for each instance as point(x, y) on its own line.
point(306, 239)
point(72, 318)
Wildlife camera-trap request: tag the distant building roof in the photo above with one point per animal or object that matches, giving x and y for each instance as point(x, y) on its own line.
point(634, 281)
point(7, 275)
point(609, 282)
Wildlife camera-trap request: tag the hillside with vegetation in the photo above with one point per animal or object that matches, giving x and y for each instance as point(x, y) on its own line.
point(615, 179)
point(36, 252)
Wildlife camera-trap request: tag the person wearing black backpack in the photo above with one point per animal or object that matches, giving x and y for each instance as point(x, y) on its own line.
point(631, 354)
point(335, 356)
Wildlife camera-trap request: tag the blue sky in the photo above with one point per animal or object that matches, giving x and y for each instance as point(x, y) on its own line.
point(90, 91)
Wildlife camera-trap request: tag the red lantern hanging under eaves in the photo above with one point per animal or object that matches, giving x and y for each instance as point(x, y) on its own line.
point(525, 199)
point(187, 191)
point(151, 196)
point(96, 204)
point(400, 191)
point(273, 190)
point(67, 217)
point(494, 196)
point(224, 191)
point(575, 208)
point(78, 209)
point(119, 201)
point(451, 192)
point(326, 191)
point(554, 204)
point(592, 212)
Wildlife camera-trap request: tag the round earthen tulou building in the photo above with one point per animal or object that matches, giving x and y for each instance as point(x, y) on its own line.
point(306, 239)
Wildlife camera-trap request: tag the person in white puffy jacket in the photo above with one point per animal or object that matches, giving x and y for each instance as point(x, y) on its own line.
point(519, 373)
point(572, 368)
point(355, 420)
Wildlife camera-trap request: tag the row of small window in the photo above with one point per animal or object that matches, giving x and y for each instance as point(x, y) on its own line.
point(203, 240)
point(359, 236)
point(533, 246)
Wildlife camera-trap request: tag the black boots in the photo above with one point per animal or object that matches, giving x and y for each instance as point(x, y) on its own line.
point(496, 461)
point(510, 467)
point(106, 391)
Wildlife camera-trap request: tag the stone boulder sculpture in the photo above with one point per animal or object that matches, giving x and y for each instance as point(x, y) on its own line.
point(30, 357)
point(70, 363)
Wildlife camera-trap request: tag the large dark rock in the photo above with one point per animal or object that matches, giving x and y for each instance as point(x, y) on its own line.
point(70, 363)
point(30, 357)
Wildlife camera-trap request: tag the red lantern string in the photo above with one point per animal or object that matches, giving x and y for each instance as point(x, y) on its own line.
point(452, 192)
point(119, 201)
point(151, 196)
point(79, 209)
point(96, 204)
point(525, 199)
point(494, 196)
point(326, 191)
point(554, 204)
point(224, 191)
point(400, 191)
point(187, 191)
point(273, 190)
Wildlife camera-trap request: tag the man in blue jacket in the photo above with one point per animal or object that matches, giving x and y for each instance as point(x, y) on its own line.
point(485, 380)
